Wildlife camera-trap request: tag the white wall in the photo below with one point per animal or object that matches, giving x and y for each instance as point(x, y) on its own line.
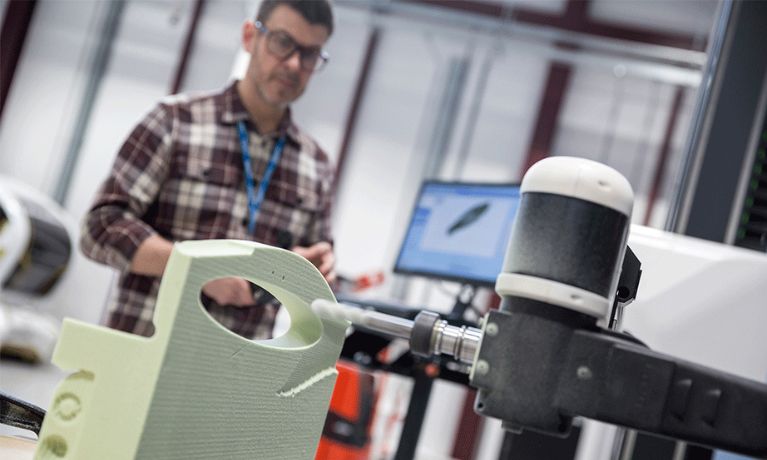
point(665, 16)
point(323, 108)
point(39, 114)
point(385, 149)
point(216, 44)
point(506, 119)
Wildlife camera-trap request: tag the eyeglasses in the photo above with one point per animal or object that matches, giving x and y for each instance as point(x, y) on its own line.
point(282, 45)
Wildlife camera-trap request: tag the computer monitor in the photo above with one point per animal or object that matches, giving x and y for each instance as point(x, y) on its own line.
point(459, 231)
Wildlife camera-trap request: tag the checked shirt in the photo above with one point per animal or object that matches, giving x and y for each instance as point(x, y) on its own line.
point(179, 174)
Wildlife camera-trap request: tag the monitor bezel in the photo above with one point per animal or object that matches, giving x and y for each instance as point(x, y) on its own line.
point(430, 275)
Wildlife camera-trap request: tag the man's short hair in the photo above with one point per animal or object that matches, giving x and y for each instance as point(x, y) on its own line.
point(314, 11)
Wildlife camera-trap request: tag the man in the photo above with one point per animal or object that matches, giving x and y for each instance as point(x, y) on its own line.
point(183, 174)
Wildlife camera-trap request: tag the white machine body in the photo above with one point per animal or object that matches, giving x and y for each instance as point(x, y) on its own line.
point(14, 231)
point(36, 242)
point(697, 300)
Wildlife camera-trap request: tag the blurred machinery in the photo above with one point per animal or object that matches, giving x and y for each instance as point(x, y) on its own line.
point(35, 250)
point(346, 435)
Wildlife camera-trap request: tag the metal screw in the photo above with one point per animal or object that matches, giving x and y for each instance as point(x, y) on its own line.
point(491, 329)
point(482, 367)
point(584, 373)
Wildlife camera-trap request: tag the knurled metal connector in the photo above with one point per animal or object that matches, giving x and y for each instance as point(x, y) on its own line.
point(432, 336)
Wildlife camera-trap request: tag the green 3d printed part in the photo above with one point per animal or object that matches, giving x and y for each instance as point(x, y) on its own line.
point(195, 390)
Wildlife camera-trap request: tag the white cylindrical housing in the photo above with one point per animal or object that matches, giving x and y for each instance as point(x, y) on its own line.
point(583, 179)
point(569, 236)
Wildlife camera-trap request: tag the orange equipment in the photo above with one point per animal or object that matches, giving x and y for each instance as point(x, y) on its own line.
point(346, 435)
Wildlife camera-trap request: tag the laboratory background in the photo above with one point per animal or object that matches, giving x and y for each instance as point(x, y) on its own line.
point(420, 101)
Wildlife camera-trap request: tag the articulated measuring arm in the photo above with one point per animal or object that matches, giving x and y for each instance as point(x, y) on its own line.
point(537, 366)
point(628, 385)
point(539, 371)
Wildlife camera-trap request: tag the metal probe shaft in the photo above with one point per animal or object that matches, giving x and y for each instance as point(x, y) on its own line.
point(428, 334)
point(388, 324)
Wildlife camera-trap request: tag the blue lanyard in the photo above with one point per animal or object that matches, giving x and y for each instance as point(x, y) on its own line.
point(255, 200)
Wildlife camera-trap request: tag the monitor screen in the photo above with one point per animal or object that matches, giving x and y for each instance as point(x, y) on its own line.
point(459, 231)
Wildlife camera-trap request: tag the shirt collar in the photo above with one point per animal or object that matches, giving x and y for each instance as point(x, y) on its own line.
point(233, 111)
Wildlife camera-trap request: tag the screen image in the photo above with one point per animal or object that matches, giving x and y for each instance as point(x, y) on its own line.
point(459, 231)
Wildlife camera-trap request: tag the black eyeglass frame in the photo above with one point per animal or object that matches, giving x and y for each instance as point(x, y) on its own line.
point(304, 51)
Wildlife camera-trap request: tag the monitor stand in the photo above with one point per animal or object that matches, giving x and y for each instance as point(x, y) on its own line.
point(463, 301)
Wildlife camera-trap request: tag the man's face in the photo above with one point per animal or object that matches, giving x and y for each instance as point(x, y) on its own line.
point(280, 81)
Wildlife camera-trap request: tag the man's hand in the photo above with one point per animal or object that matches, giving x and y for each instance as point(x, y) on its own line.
point(229, 291)
point(152, 256)
point(321, 255)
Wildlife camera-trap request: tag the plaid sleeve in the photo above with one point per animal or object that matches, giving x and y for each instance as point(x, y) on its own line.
point(323, 228)
point(113, 229)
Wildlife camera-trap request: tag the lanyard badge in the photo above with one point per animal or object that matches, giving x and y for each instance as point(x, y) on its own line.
point(256, 198)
